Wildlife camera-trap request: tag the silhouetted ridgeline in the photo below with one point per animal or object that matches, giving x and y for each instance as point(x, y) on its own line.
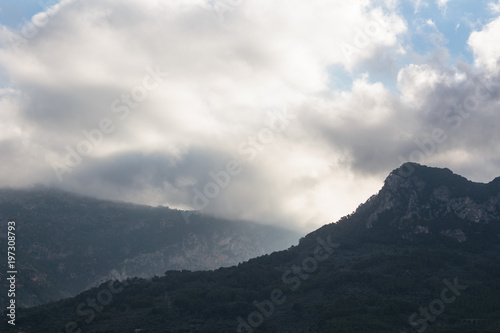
point(421, 255)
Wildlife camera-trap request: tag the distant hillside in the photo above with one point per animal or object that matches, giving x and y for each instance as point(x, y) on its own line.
point(420, 256)
point(68, 243)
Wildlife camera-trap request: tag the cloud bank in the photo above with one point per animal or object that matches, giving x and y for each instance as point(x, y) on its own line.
point(182, 103)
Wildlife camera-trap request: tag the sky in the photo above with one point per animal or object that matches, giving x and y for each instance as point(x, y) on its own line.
point(289, 113)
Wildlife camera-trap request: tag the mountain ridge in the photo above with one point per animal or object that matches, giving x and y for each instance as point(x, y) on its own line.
point(347, 276)
point(412, 188)
point(68, 243)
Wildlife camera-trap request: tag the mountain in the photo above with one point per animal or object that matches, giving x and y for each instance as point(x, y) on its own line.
point(68, 243)
point(423, 204)
point(421, 255)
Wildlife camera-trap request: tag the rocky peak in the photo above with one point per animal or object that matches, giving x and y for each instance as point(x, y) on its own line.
point(416, 176)
point(418, 199)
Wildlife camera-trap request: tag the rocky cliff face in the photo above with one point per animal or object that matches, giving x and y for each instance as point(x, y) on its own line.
point(193, 252)
point(420, 200)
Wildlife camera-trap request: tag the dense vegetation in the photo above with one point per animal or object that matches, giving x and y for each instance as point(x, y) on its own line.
point(68, 243)
point(344, 277)
point(362, 287)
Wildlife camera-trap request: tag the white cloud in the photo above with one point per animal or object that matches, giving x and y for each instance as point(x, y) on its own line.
point(431, 23)
point(494, 7)
point(418, 4)
point(224, 77)
point(485, 46)
point(416, 82)
point(442, 3)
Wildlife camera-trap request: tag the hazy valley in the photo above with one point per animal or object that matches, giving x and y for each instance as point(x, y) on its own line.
point(69, 243)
